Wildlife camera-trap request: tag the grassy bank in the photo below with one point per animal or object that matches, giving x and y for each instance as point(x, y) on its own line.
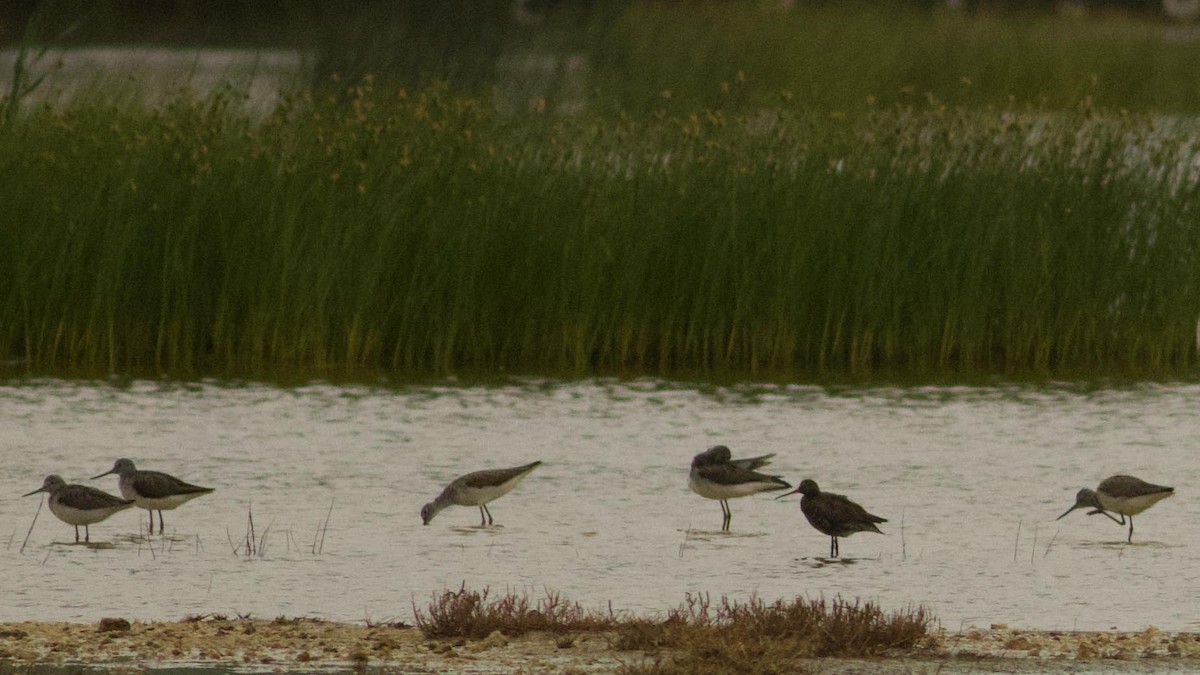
point(422, 232)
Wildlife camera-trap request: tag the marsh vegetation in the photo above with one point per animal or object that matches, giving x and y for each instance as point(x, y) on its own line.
point(699, 636)
point(1029, 210)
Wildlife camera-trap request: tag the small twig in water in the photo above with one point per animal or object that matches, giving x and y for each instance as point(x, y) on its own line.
point(1033, 547)
point(1051, 544)
point(683, 544)
point(250, 539)
point(232, 546)
point(903, 543)
point(325, 528)
point(35, 515)
point(262, 541)
point(1017, 542)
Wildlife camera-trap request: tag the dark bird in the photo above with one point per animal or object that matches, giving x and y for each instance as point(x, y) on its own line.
point(79, 504)
point(477, 489)
point(833, 514)
point(153, 490)
point(716, 475)
point(1124, 495)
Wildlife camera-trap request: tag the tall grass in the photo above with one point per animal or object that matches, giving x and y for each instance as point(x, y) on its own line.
point(420, 232)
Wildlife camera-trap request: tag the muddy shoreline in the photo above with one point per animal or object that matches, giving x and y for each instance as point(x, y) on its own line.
point(221, 643)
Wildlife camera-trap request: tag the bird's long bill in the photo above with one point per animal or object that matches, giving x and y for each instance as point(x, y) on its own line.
point(788, 493)
point(1067, 511)
point(29, 494)
point(102, 475)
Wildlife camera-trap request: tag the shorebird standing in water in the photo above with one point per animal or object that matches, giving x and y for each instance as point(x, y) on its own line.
point(477, 489)
point(79, 504)
point(833, 514)
point(1124, 495)
point(716, 475)
point(153, 490)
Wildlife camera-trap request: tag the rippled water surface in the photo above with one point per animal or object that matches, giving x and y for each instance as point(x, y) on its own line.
point(971, 480)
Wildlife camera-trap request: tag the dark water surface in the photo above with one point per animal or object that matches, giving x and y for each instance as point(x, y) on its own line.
point(970, 478)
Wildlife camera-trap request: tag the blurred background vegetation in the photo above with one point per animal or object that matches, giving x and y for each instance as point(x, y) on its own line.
point(735, 187)
point(636, 55)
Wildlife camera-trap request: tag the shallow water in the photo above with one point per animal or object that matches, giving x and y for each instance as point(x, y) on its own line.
point(971, 480)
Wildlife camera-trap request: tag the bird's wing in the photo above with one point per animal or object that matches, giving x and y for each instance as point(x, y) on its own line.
point(753, 462)
point(1130, 486)
point(492, 477)
point(87, 497)
point(156, 485)
point(851, 511)
point(730, 474)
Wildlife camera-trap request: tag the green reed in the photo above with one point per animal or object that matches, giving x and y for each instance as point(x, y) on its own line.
point(422, 233)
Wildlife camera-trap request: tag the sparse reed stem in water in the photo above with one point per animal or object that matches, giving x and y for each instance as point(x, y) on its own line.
point(31, 524)
point(323, 527)
point(250, 538)
point(1050, 544)
point(1017, 541)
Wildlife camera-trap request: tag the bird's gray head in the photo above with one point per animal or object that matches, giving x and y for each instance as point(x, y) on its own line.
point(51, 484)
point(717, 454)
point(1085, 498)
point(121, 467)
point(428, 512)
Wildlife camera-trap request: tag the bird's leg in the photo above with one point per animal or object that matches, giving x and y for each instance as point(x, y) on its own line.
point(160, 521)
point(151, 523)
point(489, 514)
point(87, 534)
point(1130, 539)
point(1119, 522)
point(726, 515)
point(76, 534)
point(482, 518)
point(833, 547)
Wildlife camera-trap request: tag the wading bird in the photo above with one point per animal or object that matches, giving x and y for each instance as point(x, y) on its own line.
point(1124, 495)
point(833, 514)
point(716, 475)
point(79, 504)
point(153, 490)
point(477, 489)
